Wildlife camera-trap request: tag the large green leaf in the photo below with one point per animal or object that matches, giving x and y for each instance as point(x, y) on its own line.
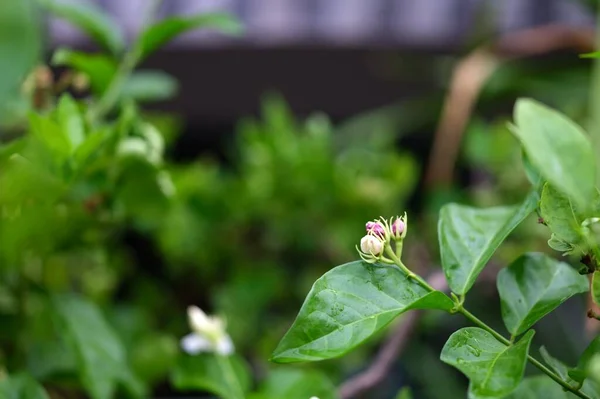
point(21, 386)
point(101, 358)
point(226, 376)
point(469, 236)
point(99, 68)
point(540, 387)
point(166, 30)
point(533, 286)
point(292, 383)
point(558, 148)
point(90, 19)
point(347, 305)
point(494, 369)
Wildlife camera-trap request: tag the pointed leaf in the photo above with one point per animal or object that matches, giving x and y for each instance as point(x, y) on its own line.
point(90, 19)
point(226, 376)
point(469, 236)
point(580, 373)
point(100, 354)
point(347, 305)
point(494, 369)
point(560, 216)
point(559, 367)
point(50, 134)
point(21, 386)
point(533, 286)
point(166, 30)
point(70, 120)
point(558, 148)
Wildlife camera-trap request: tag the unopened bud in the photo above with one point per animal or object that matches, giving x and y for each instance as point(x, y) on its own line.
point(375, 228)
point(398, 228)
point(372, 245)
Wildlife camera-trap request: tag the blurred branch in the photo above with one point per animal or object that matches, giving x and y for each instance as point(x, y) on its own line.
point(469, 77)
point(397, 341)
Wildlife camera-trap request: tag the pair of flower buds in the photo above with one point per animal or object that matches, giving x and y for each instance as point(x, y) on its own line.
point(379, 233)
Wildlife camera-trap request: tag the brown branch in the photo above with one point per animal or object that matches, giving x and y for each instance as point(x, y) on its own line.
point(469, 77)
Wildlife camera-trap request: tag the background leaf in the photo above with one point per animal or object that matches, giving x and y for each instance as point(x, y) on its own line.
point(102, 362)
point(347, 305)
point(21, 386)
point(540, 386)
point(166, 30)
point(90, 19)
point(150, 86)
point(559, 367)
point(70, 120)
point(291, 383)
point(469, 236)
point(99, 68)
point(533, 286)
point(226, 376)
point(494, 369)
point(558, 148)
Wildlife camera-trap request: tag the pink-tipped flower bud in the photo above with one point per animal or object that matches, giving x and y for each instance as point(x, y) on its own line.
point(371, 245)
point(375, 228)
point(398, 228)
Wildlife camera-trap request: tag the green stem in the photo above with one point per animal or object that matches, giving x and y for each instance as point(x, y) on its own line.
point(475, 320)
point(230, 376)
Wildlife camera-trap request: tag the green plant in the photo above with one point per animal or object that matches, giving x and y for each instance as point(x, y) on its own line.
point(353, 301)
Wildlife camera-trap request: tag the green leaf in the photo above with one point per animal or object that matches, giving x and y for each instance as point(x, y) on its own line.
point(150, 86)
point(292, 383)
point(534, 177)
point(533, 286)
point(558, 148)
point(560, 216)
point(20, 45)
point(226, 376)
point(21, 386)
point(593, 54)
point(70, 120)
point(559, 245)
point(559, 367)
point(580, 373)
point(469, 236)
point(102, 362)
point(596, 287)
point(99, 68)
point(166, 30)
point(347, 305)
point(92, 144)
point(494, 369)
point(405, 393)
point(540, 387)
point(50, 134)
point(90, 19)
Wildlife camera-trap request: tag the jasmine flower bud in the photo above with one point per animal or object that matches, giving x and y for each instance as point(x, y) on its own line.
point(375, 228)
point(398, 228)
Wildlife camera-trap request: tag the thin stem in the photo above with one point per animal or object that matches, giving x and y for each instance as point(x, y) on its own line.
point(531, 359)
point(416, 277)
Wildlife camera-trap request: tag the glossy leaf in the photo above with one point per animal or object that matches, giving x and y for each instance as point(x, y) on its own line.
point(90, 19)
point(99, 68)
point(494, 369)
point(101, 358)
point(469, 236)
point(533, 286)
point(21, 386)
point(226, 376)
point(150, 86)
point(558, 148)
point(166, 30)
point(538, 387)
point(347, 305)
point(292, 383)
point(70, 120)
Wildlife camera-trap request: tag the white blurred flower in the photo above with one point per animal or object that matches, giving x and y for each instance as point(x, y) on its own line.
point(313, 397)
point(208, 334)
